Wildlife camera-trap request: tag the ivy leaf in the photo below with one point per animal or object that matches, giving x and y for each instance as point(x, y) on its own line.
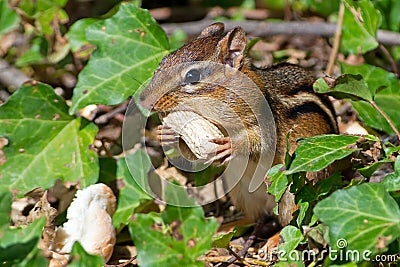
point(107, 170)
point(176, 237)
point(33, 8)
point(35, 54)
point(292, 237)
point(388, 101)
point(8, 18)
point(203, 177)
point(5, 207)
point(44, 12)
point(325, 8)
point(81, 258)
point(394, 18)
point(45, 143)
point(303, 207)
point(223, 240)
point(315, 153)
point(360, 23)
point(77, 33)
point(346, 86)
point(278, 180)
point(19, 245)
point(129, 46)
point(388, 98)
point(367, 171)
point(392, 181)
point(131, 194)
point(376, 78)
point(365, 216)
point(328, 185)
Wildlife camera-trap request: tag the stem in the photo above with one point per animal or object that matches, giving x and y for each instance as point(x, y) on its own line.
point(122, 264)
point(389, 121)
point(240, 259)
point(336, 43)
point(390, 58)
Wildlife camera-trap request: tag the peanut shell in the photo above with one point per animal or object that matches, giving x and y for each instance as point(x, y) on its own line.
point(195, 130)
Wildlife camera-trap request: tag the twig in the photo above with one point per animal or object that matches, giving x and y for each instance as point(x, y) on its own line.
point(240, 259)
point(220, 259)
point(263, 28)
point(390, 58)
point(389, 121)
point(336, 42)
point(242, 252)
point(109, 115)
point(11, 77)
point(121, 264)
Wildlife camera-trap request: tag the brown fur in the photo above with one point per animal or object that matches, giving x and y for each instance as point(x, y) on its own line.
point(286, 87)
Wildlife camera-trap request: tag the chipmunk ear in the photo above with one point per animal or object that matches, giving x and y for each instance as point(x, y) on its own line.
point(231, 48)
point(215, 29)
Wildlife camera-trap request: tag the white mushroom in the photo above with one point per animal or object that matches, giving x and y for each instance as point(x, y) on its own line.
point(89, 222)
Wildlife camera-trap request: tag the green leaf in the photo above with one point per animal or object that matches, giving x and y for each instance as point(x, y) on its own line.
point(315, 153)
point(350, 264)
point(44, 12)
point(324, 8)
point(292, 237)
point(367, 171)
point(223, 240)
point(392, 181)
point(394, 18)
point(8, 18)
point(77, 33)
point(376, 78)
point(45, 143)
point(130, 45)
point(35, 54)
point(303, 207)
point(370, 116)
point(131, 194)
point(275, 4)
point(175, 238)
point(203, 177)
point(177, 38)
point(108, 170)
point(391, 10)
point(291, 264)
point(46, 18)
point(81, 258)
point(363, 216)
point(279, 181)
point(388, 99)
point(346, 86)
point(5, 207)
point(360, 23)
point(18, 244)
point(328, 185)
point(33, 8)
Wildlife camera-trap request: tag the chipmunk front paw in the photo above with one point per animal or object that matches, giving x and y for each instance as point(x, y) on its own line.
point(166, 135)
point(223, 152)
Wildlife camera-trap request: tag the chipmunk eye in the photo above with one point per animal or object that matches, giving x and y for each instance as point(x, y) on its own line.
point(193, 76)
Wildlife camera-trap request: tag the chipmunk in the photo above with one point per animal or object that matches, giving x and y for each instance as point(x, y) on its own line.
point(287, 88)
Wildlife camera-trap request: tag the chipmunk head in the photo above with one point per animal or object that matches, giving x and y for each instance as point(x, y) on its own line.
point(182, 73)
point(211, 45)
